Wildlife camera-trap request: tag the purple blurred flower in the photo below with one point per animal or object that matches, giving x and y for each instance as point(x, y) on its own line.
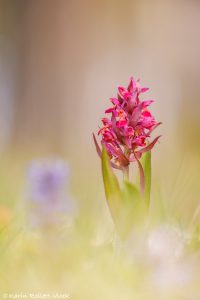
point(48, 192)
point(47, 180)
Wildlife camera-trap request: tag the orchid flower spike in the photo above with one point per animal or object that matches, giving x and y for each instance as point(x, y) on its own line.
point(127, 129)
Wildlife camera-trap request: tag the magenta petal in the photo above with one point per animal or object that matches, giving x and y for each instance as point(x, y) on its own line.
point(144, 89)
point(136, 114)
point(121, 123)
point(121, 90)
point(146, 103)
point(100, 154)
point(154, 127)
point(132, 85)
point(150, 146)
point(115, 101)
point(109, 110)
point(120, 98)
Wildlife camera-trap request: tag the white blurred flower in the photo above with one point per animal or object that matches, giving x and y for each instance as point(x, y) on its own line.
point(173, 276)
point(165, 243)
point(171, 267)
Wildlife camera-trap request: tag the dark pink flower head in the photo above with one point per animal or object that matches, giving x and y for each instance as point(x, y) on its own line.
point(127, 129)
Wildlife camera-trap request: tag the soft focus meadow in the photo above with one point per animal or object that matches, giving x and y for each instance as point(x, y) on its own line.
point(60, 62)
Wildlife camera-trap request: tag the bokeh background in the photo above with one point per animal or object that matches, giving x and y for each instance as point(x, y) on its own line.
point(61, 61)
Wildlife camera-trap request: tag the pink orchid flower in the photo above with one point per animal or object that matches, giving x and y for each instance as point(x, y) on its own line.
point(126, 133)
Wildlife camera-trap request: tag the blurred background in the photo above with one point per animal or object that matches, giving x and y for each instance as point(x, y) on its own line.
point(60, 61)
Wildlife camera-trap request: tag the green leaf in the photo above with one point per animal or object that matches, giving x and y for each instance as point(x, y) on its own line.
point(112, 189)
point(146, 164)
point(135, 208)
point(131, 192)
point(127, 207)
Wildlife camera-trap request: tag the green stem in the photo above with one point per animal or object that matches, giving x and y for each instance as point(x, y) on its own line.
point(126, 173)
